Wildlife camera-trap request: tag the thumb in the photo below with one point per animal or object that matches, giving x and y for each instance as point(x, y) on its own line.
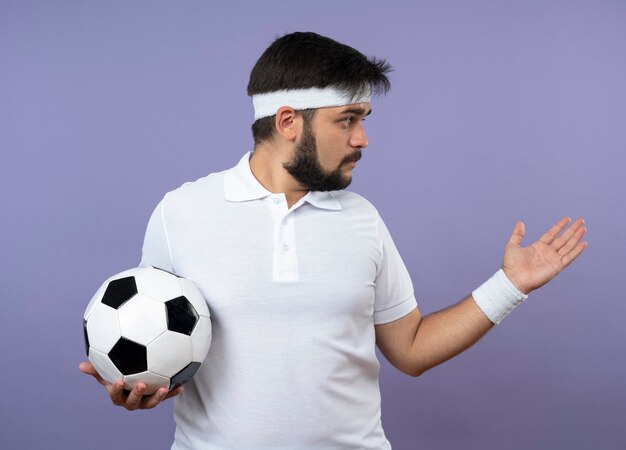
point(89, 369)
point(518, 234)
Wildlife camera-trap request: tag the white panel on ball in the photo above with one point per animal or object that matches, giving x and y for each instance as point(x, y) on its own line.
point(157, 284)
point(126, 273)
point(103, 328)
point(95, 299)
point(169, 353)
point(105, 367)
point(201, 339)
point(142, 319)
point(151, 380)
point(195, 297)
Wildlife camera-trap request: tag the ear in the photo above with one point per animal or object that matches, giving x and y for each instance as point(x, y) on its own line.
point(287, 122)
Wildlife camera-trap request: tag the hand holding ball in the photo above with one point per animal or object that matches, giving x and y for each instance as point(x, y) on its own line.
point(147, 325)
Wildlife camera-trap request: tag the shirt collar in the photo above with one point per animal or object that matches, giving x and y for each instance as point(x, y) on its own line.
point(323, 200)
point(240, 185)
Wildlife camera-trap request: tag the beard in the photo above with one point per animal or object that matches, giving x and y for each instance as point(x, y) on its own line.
point(307, 170)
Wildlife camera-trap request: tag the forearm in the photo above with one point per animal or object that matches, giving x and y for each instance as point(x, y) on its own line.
point(446, 333)
point(416, 344)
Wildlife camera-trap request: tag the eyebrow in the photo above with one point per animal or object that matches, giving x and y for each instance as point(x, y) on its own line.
point(358, 111)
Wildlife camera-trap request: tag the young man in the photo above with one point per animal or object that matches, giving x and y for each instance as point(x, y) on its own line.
point(303, 279)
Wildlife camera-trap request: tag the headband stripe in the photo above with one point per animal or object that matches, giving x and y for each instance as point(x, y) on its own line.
point(266, 105)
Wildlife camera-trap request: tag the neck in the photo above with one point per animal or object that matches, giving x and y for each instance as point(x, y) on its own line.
point(266, 164)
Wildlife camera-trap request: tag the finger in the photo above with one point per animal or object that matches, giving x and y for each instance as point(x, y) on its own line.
point(135, 396)
point(151, 401)
point(88, 368)
point(572, 242)
point(116, 392)
point(566, 236)
point(571, 256)
point(518, 234)
point(174, 392)
point(553, 232)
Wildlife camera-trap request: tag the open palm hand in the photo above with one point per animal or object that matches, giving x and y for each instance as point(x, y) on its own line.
point(531, 267)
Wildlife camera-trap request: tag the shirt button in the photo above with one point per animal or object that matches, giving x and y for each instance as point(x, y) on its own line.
point(276, 200)
point(285, 247)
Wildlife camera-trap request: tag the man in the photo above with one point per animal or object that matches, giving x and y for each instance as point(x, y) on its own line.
point(303, 279)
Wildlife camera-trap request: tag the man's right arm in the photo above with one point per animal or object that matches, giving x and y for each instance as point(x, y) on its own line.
point(131, 400)
point(155, 253)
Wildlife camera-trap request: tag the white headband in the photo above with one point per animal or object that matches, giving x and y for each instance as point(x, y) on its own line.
point(266, 105)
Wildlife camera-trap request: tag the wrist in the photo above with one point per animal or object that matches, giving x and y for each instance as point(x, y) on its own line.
point(516, 281)
point(498, 296)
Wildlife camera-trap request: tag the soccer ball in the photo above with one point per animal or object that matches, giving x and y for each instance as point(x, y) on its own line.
point(148, 325)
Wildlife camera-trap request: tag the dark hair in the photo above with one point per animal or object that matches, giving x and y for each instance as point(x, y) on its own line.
point(308, 60)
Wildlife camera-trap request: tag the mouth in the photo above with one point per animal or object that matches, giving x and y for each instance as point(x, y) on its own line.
point(353, 158)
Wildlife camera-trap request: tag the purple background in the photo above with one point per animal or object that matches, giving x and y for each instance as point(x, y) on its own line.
point(499, 111)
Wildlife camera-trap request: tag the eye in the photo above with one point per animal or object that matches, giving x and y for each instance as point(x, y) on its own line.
point(347, 121)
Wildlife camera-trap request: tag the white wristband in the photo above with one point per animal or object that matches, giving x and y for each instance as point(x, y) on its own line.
point(497, 297)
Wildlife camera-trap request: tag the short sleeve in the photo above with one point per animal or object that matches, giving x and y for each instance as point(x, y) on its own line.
point(394, 289)
point(156, 246)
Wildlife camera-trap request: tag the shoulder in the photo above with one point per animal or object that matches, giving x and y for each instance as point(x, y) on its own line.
point(359, 214)
point(355, 204)
point(203, 189)
point(351, 200)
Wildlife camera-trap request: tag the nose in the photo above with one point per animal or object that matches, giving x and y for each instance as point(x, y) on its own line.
point(359, 138)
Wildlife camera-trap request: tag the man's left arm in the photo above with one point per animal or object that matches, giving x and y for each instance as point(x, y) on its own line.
point(414, 344)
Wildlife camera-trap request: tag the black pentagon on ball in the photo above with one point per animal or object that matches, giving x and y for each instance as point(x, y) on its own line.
point(184, 375)
point(119, 292)
point(129, 357)
point(86, 337)
point(181, 315)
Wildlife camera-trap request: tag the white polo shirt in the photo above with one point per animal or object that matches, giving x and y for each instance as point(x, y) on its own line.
point(294, 295)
